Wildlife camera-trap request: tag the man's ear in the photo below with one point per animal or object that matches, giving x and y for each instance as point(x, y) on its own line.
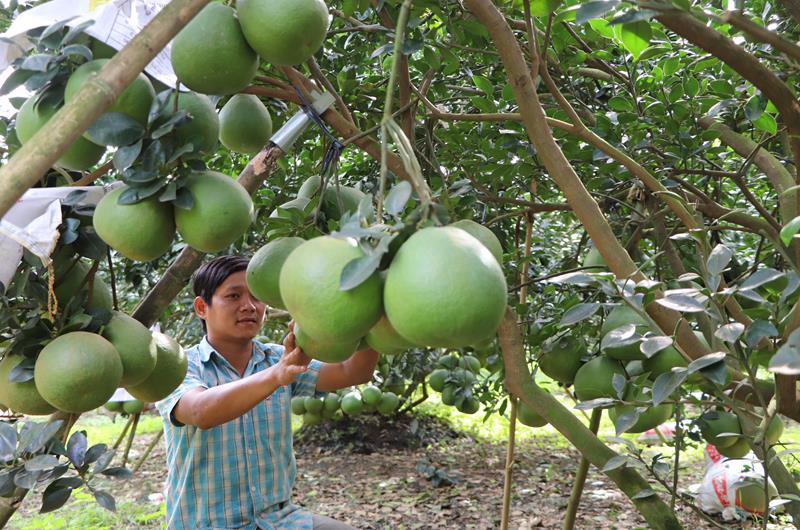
point(200, 307)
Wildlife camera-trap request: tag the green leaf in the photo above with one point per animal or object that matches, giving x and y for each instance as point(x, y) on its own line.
point(358, 270)
point(115, 129)
point(620, 104)
point(397, 198)
point(41, 463)
point(615, 462)
point(761, 277)
point(577, 313)
point(754, 107)
point(681, 302)
point(719, 259)
point(706, 361)
point(766, 123)
point(643, 494)
point(601, 26)
point(542, 8)
point(126, 155)
point(626, 420)
point(636, 36)
point(787, 359)
point(590, 10)
point(666, 383)
point(483, 84)
point(790, 230)
point(730, 332)
point(105, 500)
point(8, 442)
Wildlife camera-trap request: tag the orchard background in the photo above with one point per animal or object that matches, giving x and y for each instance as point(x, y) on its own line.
point(637, 155)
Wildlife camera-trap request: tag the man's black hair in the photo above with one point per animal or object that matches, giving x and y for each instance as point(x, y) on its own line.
point(210, 276)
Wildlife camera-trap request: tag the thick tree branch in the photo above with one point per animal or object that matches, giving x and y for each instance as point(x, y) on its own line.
point(45, 147)
point(760, 33)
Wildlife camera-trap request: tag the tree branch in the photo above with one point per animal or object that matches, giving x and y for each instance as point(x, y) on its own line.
point(760, 33)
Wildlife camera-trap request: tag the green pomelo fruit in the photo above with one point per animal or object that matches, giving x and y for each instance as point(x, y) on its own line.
point(561, 359)
point(134, 406)
point(210, 55)
point(309, 187)
point(394, 383)
point(309, 418)
point(113, 406)
point(594, 259)
point(463, 377)
point(774, 430)
point(469, 405)
point(284, 32)
point(444, 289)
point(750, 497)
point(527, 416)
point(482, 234)
point(221, 213)
point(68, 286)
point(134, 101)
point(389, 403)
point(309, 286)
point(384, 339)
point(264, 270)
point(245, 125)
point(135, 345)
point(203, 129)
point(348, 196)
point(143, 231)
point(371, 395)
point(80, 156)
point(737, 450)
point(716, 422)
point(468, 362)
point(622, 315)
point(352, 405)
point(329, 352)
point(101, 50)
point(170, 369)
point(449, 394)
point(437, 379)
point(298, 405)
point(78, 371)
point(595, 379)
point(449, 361)
point(21, 397)
point(650, 418)
point(281, 211)
point(331, 403)
point(663, 362)
point(622, 349)
point(313, 405)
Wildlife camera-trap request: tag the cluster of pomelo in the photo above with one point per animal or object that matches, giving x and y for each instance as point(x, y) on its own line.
point(221, 212)
point(455, 378)
point(131, 406)
point(443, 288)
point(351, 402)
point(723, 430)
point(79, 371)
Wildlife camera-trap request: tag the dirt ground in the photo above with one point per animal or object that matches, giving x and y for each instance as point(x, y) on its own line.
point(422, 475)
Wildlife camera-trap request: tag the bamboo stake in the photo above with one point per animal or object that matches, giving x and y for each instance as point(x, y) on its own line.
point(580, 478)
point(149, 449)
point(131, 436)
point(34, 158)
point(123, 433)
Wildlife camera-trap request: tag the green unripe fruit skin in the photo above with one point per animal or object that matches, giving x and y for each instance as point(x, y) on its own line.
point(594, 379)
point(298, 405)
point(350, 199)
point(210, 54)
point(527, 416)
point(739, 449)
point(67, 285)
point(134, 101)
point(482, 234)
point(389, 403)
point(264, 269)
point(774, 430)
point(284, 32)
point(309, 285)
point(310, 187)
point(437, 379)
point(310, 418)
point(22, 397)
point(113, 406)
point(714, 423)
point(384, 339)
point(80, 156)
point(352, 405)
point(448, 361)
point(313, 405)
point(221, 213)
point(371, 395)
point(561, 359)
point(625, 350)
point(245, 125)
point(469, 406)
point(468, 362)
point(78, 360)
point(433, 284)
point(133, 406)
point(650, 418)
point(449, 394)
point(750, 497)
point(333, 352)
point(169, 372)
point(135, 345)
point(143, 231)
point(331, 403)
point(203, 129)
point(622, 315)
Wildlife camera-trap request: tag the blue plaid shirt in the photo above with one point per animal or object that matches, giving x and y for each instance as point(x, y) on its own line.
point(241, 473)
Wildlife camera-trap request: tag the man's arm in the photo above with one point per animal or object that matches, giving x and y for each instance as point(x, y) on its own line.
point(356, 370)
point(209, 407)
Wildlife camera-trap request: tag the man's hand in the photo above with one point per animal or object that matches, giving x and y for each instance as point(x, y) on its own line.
point(293, 362)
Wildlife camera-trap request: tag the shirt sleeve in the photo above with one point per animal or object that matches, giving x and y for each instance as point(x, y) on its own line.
point(192, 380)
point(305, 384)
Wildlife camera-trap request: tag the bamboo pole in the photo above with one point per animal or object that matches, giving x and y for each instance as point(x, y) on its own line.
point(34, 158)
point(149, 450)
point(131, 436)
point(580, 478)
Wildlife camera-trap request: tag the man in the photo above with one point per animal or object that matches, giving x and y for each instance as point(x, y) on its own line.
point(228, 426)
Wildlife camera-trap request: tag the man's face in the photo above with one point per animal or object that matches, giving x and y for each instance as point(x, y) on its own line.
point(234, 313)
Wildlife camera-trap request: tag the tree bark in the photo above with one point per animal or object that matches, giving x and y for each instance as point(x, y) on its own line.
point(45, 147)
